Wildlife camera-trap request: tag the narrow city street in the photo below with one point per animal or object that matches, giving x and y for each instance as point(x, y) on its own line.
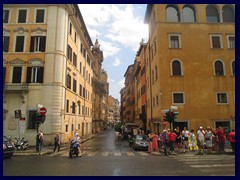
point(102, 157)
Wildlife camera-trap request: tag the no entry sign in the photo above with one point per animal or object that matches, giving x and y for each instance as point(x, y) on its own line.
point(42, 111)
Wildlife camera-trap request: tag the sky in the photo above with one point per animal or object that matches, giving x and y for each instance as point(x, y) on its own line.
point(119, 30)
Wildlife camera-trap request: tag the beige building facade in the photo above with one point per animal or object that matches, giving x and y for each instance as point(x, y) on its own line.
point(191, 64)
point(47, 60)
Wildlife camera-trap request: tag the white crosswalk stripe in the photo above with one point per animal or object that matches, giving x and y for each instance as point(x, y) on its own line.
point(208, 163)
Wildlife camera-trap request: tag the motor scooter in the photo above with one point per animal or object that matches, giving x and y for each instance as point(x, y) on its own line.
point(130, 140)
point(21, 144)
point(73, 149)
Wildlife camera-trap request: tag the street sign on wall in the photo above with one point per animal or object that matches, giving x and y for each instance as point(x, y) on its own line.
point(42, 111)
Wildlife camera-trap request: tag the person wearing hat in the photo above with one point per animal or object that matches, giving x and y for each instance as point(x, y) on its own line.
point(164, 138)
point(208, 138)
point(200, 139)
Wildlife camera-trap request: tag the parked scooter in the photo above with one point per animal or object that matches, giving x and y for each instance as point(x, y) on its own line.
point(73, 149)
point(21, 144)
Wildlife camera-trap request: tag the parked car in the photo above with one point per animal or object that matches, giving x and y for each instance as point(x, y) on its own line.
point(8, 148)
point(140, 142)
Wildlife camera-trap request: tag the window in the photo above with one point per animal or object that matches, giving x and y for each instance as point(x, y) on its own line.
point(74, 85)
point(6, 43)
point(68, 81)
point(83, 92)
point(233, 68)
point(216, 41)
point(212, 14)
point(73, 107)
point(22, 16)
point(17, 75)
point(70, 28)
point(75, 37)
point(72, 127)
point(66, 128)
point(5, 16)
point(156, 73)
point(174, 41)
point(31, 119)
point(189, 14)
point(19, 46)
point(178, 98)
point(80, 67)
point(69, 53)
point(218, 65)
point(67, 106)
point(228, 14)
point(176, 68)
point(38, 44)
point(74, 59)
point(80, 90)
point(40, 15)
point(157, 100)
point(231, 42)
point(172, 14)
point(222, 98)
point(35, 75)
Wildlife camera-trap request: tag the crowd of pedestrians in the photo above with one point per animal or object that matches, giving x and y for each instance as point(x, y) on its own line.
point(202, 141)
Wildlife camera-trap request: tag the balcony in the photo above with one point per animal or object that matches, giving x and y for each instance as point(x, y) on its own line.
point(10, 88)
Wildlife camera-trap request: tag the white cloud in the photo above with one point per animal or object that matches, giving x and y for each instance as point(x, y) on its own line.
point(120, 22)
point(108, 48)
point(117, 62)
point(121, 83)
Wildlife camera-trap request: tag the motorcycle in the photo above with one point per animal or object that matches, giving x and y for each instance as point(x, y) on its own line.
point(73, 149)
point(130, 140)
point(21, 144)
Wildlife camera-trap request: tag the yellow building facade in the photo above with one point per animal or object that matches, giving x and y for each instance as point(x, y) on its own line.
point(47, 60)
point(191, 64)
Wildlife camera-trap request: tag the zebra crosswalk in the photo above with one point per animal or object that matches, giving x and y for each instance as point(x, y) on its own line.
point(216, 164)
point(91, 152)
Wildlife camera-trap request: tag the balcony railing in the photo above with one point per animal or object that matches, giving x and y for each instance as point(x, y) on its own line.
point(16, 88)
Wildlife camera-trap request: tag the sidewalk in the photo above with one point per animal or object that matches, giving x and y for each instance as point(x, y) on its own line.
point(31, 151)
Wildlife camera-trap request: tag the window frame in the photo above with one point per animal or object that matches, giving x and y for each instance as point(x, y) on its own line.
point(214, 68)
point(217, 98)
point(228, 41)
point(220, 41)
point(181, 68)
point(170, 41)
point(9, 15)
point(17, 18)
point(35, 17)
point(183, 98)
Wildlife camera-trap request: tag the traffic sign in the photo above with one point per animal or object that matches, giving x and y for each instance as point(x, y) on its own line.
point(42, 111)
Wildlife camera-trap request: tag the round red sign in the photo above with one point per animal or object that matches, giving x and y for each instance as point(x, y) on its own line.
point(42, 111)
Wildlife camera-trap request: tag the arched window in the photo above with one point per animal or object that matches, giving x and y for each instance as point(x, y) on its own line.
point(189, 14)
point(218, 65)
point(228, 14)
point(233, 68)
point(172, 14)
point(176, 68)
point(212, 14)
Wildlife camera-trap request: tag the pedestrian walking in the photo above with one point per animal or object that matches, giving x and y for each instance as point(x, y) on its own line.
point(192, 141)
point(231, 137)
point(178, 138)
point(171, 140)
point(154, 142)
point(221, 138)
point(150, 144)
point(185, 135)
point(56, 143)
point(164, 138)
point(200, 140)
point(39, 142)
point(208, 138)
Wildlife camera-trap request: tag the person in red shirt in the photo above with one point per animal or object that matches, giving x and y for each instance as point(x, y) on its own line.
point(171, 138)
point(231, 137)
point(221, 138)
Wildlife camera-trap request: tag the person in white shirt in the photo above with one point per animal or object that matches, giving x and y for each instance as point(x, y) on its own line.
point(185, 134)
point(200, 139)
